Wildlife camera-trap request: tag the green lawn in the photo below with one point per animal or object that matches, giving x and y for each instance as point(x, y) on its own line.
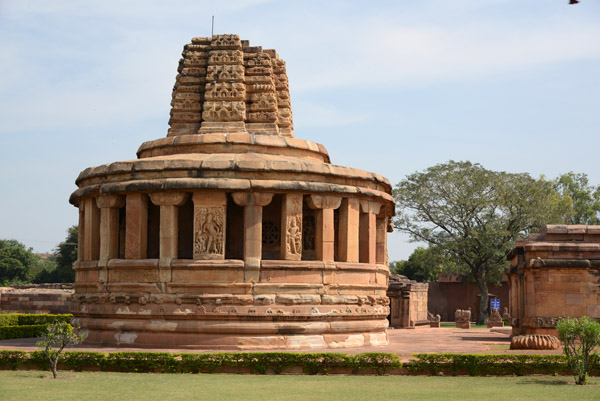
point(36, 385)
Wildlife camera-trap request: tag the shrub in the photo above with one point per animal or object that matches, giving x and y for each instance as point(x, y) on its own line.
point(57, 337)
point(579, 338)
point(8, 332)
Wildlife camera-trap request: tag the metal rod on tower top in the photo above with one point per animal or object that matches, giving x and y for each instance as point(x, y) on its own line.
point(212, 31)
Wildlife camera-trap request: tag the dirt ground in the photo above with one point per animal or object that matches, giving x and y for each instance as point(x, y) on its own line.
point(403, 342)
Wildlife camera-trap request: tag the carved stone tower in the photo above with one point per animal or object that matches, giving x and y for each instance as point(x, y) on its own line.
point(231, 233)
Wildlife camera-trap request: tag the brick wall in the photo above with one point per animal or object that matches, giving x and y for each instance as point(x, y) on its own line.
point(41, 298)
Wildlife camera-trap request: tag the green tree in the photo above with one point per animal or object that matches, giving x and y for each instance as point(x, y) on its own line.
point(66, 255)
point(473, 215)
point(17, 263)
point(59, 268)
point(581, 199)
point(579, 338)
point(424, 264)
point(58, 336)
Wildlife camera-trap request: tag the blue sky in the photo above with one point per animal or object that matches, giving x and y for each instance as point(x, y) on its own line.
point(393, 87)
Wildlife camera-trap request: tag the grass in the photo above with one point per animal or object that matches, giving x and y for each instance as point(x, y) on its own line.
point(35, 385)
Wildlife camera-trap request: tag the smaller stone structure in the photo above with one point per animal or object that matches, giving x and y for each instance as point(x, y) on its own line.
point(553, 274)
point(434, 321)
point(38, 298)
point(534, 341)
point(408, 302)
point(462, 318)
point(495, 319)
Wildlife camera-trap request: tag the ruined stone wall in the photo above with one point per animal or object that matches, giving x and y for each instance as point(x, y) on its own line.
point(408, 302)
point(444, 298)
point(554, 274)
point(43, 298)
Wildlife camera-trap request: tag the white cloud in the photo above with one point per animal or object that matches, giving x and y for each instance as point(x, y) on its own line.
point(394, 55)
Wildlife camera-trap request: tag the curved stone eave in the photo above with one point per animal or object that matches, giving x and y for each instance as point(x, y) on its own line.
point(257, 162)
point(227, 184)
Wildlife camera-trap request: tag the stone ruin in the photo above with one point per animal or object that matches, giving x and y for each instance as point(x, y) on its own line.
point(462, 317)
point(408, 302)
point(230, 233)
point(495, 319)
point(553, 274)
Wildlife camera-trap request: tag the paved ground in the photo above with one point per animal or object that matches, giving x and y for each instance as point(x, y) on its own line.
point(402, 342)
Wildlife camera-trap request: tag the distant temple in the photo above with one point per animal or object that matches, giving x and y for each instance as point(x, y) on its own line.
point(231, 233)
point(553, 274)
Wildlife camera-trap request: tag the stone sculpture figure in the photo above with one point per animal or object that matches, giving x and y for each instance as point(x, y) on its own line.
point(210, 231)
point(495, 319)
point(294, 235)
point(462, 318)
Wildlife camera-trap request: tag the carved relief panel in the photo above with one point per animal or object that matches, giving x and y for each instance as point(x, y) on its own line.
point(224, 111)
point(291, 216)
point(209, 232)
point(225, 91)
point(225, 73)
point(209, 225)
point(225, 57)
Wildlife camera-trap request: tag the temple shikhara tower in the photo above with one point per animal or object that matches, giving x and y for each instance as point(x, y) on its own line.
point(230, 232)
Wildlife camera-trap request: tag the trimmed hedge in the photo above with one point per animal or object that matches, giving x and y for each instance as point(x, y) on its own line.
point(309, 363)
point(30, 319)
point(27, 325)
point(34, 330)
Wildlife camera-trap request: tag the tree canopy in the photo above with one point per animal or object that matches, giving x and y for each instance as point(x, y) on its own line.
point(19, 265)
point(580, 199)
point(424, 264)
point(473, 215)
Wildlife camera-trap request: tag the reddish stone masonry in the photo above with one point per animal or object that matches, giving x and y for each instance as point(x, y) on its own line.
point(553, 274)
point(232, 233)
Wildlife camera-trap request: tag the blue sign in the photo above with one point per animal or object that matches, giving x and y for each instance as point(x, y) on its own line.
point(495, 304)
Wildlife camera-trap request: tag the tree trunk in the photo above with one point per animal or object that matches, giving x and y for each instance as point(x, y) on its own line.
point(54, 364)
point(483, 290)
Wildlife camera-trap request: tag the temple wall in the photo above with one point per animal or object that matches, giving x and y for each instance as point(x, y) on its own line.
point(408, 302)
point(43, 298)
point(555, 274)
point(444, 298)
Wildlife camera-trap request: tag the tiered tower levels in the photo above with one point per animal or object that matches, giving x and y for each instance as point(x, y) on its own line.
point(225, 85)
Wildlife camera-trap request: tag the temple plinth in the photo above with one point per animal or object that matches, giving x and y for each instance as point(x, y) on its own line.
point(230, 232)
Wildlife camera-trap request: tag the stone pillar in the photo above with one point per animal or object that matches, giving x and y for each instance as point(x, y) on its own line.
point(210, 211)
point(109, 232)
point(381, 240)
point(136, 226)
point(368, 234)
point(324, 230)
point(348, 226)
point(253, 203)
point(168, 202)
point(81, 231)
point(91, 237)
point(291, 227)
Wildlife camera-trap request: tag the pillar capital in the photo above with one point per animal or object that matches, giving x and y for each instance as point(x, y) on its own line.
point(110, 201)
point(324, 202)
point(168, 198)
point(252, 198)
point(367, 206)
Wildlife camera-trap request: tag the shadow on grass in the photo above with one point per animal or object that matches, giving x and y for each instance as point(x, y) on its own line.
point(546, 382)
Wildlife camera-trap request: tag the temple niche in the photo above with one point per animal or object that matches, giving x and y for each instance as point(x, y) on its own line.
point(553, 274)
point(230, 233)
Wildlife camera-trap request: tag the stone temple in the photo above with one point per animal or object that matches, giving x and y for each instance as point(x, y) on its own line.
point(230, 233)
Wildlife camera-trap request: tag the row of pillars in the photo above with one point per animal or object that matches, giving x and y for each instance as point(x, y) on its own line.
point(361, 237)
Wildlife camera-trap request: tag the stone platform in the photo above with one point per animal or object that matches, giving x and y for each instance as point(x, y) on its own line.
point(402, 342)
